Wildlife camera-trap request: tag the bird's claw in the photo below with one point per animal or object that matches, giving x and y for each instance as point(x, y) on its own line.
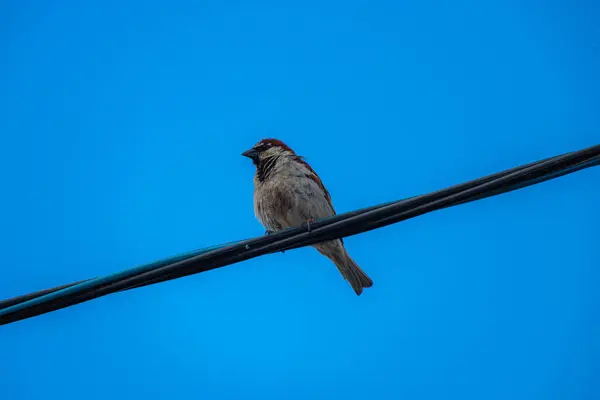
point(308, 226)
point(269, 232)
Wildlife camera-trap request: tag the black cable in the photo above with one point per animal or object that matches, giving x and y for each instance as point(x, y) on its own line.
point(342, 225)
point(30, 296)
point(313, 225)
point(20, 299)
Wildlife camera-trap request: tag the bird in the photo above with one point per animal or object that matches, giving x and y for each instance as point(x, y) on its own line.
point(289, 193)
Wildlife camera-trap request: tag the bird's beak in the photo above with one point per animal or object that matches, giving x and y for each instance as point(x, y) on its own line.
point(252, 153)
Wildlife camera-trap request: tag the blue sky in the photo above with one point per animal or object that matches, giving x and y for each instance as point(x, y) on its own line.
point(122, 127)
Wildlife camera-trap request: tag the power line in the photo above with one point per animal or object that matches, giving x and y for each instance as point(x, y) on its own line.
point(342, 225)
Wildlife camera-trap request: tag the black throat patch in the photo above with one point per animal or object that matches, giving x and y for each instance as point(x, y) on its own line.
point(264, 167)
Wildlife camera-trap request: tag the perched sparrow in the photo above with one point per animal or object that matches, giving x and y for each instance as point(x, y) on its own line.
point(288, 192)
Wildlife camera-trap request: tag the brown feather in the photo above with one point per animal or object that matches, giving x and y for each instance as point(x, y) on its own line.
point(316, 179)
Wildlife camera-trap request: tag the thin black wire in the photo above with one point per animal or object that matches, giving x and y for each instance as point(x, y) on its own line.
point(342, 225)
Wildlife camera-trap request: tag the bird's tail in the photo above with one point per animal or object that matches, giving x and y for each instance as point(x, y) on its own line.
point(335, 251)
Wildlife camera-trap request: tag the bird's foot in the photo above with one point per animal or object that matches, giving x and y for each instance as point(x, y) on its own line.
point(308, 223)
point(269, 232)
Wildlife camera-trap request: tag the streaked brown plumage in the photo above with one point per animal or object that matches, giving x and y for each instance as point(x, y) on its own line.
point(288, 192)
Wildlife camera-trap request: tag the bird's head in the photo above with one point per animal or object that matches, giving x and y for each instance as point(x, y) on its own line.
point(268, 148)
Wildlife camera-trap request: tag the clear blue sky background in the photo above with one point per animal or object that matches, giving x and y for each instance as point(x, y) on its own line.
point(122, 125)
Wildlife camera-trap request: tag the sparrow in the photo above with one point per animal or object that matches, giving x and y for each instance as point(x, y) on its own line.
point(289, 193)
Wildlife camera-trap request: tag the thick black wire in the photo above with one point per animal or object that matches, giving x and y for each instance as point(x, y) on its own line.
point(295, 246)
point(338, 226)
point(20, 299)
point(487, 178)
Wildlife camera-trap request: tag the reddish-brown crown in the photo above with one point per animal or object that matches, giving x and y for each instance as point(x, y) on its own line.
point(271, 142)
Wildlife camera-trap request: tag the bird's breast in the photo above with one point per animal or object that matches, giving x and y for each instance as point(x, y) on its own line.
point(289, 201)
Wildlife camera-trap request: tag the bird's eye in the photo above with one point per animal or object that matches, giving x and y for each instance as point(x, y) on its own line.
point(262, 147)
